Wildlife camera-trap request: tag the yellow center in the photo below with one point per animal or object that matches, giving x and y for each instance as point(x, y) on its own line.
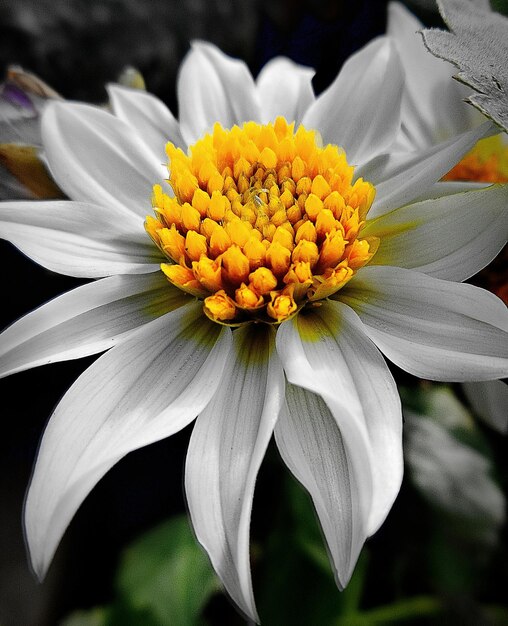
point(487, 162)
point(262, 222)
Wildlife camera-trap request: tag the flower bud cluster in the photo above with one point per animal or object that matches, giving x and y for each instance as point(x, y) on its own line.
point(262, 221)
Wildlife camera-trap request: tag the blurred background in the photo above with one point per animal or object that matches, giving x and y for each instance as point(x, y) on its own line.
point(79, 45)
point(440, 558)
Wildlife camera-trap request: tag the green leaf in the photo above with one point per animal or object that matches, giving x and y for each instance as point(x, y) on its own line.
point(167, 573)
point(478, 46)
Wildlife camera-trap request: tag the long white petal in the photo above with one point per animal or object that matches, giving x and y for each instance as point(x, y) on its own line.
point(86, 320)
point(227, 446)
point(489, 400)
point(339, 353)
point(284, 88)
point(360, 111)
point(312, 446)
point(433, 108)
point(328, 353)
point(213, 87)
point(148, 116)
point(144, 389)
point(79, 239)
point(401, 177)
point(432, 328)
point(452, 237)
point(96, 157)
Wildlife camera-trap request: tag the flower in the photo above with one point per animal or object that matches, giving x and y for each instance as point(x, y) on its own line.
point(434, 107)
point(433, 104)
point(23, 97)
point(276, 295)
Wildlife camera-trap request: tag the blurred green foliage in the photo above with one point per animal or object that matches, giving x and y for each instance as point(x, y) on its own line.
point(167, 573)
point(164, 579)
point(501, 6)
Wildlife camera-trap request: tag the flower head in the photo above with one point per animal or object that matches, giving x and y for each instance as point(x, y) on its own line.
point(262, 222)
point(272, 278)
point(434, 107)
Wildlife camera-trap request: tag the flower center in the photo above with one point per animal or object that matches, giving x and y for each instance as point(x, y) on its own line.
point(263, 221)
point(487, 162)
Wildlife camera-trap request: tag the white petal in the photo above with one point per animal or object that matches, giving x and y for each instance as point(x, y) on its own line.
point(227, 446)
point(79, 239)
point(213, 87)
point(96, 157)
point(402, 177)
point(284, 88)
point(432, 328)
point(489, 400)
point(335, 347)
point(328, 353)
point(452, 237)
point(311, 445)
point(144, 389)
point(148, 116)
point(86, 320)
point(433, 108)
point(449, 187)
point(360, 111)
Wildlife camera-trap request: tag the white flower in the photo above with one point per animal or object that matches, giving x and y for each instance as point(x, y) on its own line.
point(310, 368)
point(433, 106)
point(434, 109)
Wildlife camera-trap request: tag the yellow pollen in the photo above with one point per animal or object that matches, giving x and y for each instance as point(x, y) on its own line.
point(220, 307)
point(255, 251)
point(173, 243)
point(281, 305)
point(248, 298)
point(306, 251)
point(236, 265)
point(263, 221)
point(208, 273)
point(263, 280)
point(184, 278)
point(195, 245)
